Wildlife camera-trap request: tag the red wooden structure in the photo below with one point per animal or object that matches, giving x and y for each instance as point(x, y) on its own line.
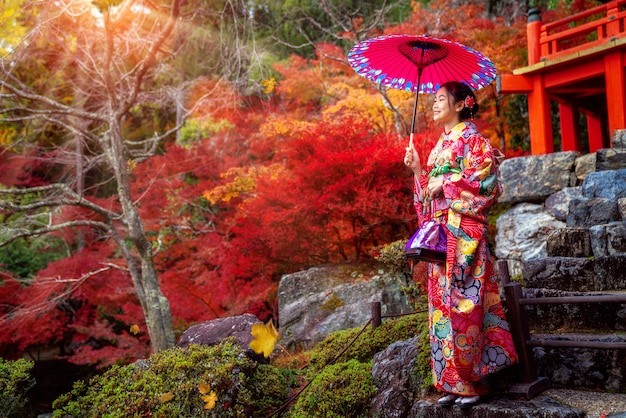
point(579, 63)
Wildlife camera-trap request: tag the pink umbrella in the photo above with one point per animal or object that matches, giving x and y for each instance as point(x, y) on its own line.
point(420, 64)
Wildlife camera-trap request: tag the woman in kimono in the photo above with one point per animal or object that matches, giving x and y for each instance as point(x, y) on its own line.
point(469, 335)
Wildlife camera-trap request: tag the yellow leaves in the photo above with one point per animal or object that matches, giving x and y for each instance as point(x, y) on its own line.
point(367, 104)
point(131, 164)
point(134, 329)
point(166, 397)
point(208, 396)
point(269, 85)
point(210, 399)
point(244, 180)
point(204, 388)
point(265, 338)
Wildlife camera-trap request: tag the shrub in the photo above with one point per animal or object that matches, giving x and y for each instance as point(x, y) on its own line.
point(15, 381)
point(368, 343)
point(340, 390)
point(198, 381)
point(373, 341)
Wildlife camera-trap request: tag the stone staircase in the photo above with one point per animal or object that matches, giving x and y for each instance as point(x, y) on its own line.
point(587, 257)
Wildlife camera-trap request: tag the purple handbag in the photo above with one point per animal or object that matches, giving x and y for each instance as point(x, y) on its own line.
point(428, 243)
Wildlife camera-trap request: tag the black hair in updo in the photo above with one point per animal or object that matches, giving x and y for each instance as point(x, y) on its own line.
point(459, 91)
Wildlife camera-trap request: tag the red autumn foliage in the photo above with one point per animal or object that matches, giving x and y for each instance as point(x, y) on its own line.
point(318, 186)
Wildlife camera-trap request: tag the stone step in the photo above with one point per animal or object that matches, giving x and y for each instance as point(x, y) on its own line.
point(592, 368)
point(499, 407)
point(576, 274)
point(599, 317)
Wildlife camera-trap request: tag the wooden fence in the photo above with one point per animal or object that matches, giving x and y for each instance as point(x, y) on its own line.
point(531, 384)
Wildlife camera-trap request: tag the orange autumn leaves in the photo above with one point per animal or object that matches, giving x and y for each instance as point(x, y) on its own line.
point(208, 396)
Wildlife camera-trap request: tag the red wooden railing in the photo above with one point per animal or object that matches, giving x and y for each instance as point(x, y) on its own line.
point(585, 30)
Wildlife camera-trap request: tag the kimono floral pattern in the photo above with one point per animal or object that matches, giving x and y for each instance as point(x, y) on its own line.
point(469, 336)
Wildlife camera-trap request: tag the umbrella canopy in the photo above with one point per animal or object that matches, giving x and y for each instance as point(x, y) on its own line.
point(420, 64)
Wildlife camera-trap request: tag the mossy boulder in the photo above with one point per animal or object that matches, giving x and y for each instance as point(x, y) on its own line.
point(339, 390)
point(197, 381)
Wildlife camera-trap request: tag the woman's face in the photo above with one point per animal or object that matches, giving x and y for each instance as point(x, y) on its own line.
point(444, 111)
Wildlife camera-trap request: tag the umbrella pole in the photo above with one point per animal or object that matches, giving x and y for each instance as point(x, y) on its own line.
point(417, 91)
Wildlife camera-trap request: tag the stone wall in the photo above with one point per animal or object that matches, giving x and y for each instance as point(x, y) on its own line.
point(568, 239)
point(563, 204)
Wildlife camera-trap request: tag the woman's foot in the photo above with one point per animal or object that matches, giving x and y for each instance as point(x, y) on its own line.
point(467, 401)
point(448, 400)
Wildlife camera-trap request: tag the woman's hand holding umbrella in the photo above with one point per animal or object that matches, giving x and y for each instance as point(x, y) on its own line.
point(412, 159)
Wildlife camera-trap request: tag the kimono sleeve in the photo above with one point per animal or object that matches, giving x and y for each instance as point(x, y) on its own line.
point(476, 187)
point(419, 185)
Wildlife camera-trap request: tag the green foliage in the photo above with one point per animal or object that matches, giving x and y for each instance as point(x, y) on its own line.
point(340, 390)
point(25, 257)
point(195, 130)
point(371, 342)
point(171, 384)
point(15, 381)
point(392, 254)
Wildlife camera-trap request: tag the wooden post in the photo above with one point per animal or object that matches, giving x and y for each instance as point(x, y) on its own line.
point(521, 334)
point(376, 314)
point(533, 34)
point(531, 385)
point(613, 25)
point(615, 91)
point(503, 272)
point(540, 118)
point(570, 128)
point(596, 136)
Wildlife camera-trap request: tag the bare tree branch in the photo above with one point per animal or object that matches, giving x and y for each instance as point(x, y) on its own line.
point(46, 230)
point(73, 199)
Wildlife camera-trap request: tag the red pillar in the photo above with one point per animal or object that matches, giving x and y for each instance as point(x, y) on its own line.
point(570, 127)
point(615, 90)
point(539, 118)
point(533, 34)
point(594, 127)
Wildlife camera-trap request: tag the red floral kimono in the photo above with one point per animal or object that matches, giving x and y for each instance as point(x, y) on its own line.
point(469, 335)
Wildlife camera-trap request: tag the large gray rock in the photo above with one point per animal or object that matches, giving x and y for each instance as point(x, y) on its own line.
point(534, 178)
point(610, 159)
point(569, 242)
point(618, 139)
point(558, 203)
point(606, 184)
point(565, 273)
point(499, 407)
point(608, 239)
point(610, 272)
point(589, 212)
point(606, 317)
point(395, 386)
point(583, 367)
point(584, 165)
point(214, 331)
point(582, 274)
point(324, 299)
point(522, 231)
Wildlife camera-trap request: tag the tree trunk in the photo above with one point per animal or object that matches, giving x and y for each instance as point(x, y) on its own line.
point(155, 305)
